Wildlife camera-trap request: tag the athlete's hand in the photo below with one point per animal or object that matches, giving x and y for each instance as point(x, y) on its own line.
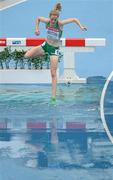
point(37, 32)
point(83, 28)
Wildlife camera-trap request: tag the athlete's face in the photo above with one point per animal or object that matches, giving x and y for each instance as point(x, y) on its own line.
point(53, 18)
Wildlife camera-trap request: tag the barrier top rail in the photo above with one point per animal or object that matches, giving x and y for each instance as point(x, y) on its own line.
point(66, 42)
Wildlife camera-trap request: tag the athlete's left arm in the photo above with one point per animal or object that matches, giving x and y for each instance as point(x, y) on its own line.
point(71, 20)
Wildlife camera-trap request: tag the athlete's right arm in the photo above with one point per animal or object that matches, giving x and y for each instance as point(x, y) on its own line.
point(38, 20)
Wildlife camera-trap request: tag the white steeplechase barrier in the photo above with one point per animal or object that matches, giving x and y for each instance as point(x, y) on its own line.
point(69, 47)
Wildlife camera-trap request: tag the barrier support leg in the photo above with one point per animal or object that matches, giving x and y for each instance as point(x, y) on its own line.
point(69, 75)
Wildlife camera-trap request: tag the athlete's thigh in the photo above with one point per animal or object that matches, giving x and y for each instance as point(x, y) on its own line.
point(35, 51)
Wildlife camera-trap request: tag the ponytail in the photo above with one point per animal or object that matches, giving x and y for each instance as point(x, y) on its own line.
point(58, 7)
point(56, 10)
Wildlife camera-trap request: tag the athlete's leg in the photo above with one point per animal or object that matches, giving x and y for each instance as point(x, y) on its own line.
point(54, 62)
point(35, 51)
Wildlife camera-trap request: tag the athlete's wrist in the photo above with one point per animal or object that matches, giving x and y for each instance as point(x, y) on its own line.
point(37, 31)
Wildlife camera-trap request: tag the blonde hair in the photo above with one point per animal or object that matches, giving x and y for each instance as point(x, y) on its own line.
point(56, 10)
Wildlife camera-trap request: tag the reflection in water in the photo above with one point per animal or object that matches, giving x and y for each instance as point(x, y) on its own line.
point(67, 136)
point(51, 147)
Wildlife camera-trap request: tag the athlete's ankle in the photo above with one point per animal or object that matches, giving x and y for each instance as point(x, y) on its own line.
point(53, 98)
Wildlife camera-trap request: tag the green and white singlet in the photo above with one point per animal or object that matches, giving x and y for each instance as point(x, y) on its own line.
point(53, 33)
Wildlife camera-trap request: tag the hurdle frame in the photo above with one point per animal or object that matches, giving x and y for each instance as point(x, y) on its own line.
point(69, 47)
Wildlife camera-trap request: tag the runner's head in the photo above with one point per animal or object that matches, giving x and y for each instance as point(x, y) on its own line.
point(54, 13)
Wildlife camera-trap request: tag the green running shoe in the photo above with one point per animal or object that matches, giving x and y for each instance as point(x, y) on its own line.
point(53, 100)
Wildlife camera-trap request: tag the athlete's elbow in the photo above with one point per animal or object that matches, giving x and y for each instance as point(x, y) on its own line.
point(75, 20)
point(37, 19)
point(71, 20)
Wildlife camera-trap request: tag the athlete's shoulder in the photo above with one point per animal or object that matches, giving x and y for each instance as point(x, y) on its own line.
point(43, 19)
point(60, 22)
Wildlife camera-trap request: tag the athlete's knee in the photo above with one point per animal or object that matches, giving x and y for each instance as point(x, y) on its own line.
point(53, 73)
point(26, 55)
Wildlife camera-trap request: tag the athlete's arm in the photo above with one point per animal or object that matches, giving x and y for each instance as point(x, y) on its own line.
point(38, 20)
point(71, 20)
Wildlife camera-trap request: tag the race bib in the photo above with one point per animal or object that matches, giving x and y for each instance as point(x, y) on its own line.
point(52, 33)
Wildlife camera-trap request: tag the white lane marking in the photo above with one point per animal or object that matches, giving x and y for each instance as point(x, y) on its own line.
point(11, 4)
point(102, 108)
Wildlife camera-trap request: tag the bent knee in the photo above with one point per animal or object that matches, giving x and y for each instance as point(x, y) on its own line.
point(27, 55)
